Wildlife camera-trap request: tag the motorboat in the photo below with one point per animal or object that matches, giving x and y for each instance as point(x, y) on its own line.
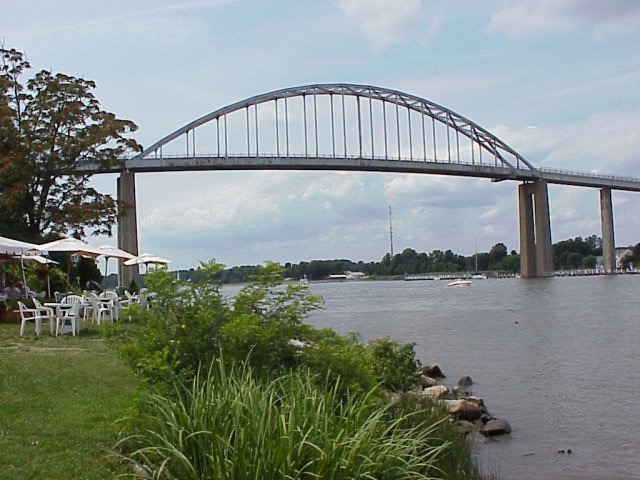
point(459, 283)
point(478, 276)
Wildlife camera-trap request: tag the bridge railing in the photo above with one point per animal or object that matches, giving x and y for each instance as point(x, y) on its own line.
point(588, 174)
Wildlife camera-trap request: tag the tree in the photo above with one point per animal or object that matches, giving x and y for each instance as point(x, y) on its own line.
point(50, 126)
point(498, 252)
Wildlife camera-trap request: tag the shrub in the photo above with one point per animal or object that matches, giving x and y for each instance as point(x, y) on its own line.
point(180, 331)
point(339, 360)
point(395, 364)
point(190, 322)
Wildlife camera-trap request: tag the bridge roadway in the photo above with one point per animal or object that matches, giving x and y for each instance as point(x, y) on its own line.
point(292, 162)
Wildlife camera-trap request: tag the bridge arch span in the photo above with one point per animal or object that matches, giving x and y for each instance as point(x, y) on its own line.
point(334, 126)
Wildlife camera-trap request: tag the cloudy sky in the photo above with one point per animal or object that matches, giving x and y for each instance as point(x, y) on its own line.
point(558, 80)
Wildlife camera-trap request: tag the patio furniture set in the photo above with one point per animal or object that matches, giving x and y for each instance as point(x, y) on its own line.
point(68, 313)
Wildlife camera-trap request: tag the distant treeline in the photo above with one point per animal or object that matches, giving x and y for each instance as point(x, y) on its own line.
point(568, 254)
point(577, 253)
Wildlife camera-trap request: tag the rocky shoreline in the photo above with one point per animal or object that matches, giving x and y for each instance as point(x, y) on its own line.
point(469, 412)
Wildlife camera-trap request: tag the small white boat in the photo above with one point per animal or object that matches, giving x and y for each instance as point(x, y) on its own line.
point(478, 276)
point(459, 283)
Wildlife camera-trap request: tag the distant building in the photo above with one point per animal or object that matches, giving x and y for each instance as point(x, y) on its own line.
point(620, 253)
point(347, 276)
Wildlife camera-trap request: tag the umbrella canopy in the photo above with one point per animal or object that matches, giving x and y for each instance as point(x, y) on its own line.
point(70, 245)
point(147, 258)
point(109, 251)
point(9, 246)
point(35, 258)
point(114, 252)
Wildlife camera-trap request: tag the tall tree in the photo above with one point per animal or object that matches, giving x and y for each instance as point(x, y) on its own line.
point(50, 126)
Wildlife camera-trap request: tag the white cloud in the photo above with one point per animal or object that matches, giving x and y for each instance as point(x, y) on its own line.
point(604, 143)
point(518, 19)
point(225, 206)
point(386, 22)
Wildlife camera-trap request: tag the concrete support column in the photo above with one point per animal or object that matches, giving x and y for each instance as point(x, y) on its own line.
point(527, 232)
point(608, 240)
point(536, 255)
point(128, 227)
point(544, 252)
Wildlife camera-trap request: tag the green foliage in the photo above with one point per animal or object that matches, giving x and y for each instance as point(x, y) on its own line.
point(180, 330)
point(455, 462)
point(577, 253)
point(395, 364)
point(228, 425)
point(50, 125)
point(340, 360)
point(191, 322)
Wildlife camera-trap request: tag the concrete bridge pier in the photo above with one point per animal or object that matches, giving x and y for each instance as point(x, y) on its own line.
point(608, 241)
point(127, 226)
point(536, 255)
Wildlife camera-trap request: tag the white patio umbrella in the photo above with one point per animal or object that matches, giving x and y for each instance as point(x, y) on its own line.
point(109, 251)
point(11, 247)
point(42, 260)
point(146, 259)
point(71, 246)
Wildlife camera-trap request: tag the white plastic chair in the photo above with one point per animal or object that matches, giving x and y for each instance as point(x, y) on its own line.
point(131, 299)
point(115, 302)
point(68, 317)
point(29, 315)
point(46, 313)
point(101, 311)
point(87, 306)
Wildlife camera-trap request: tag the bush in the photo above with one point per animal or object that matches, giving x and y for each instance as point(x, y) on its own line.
point(228, 425)
point(395, 365)
point(190, 322)
point(180, 331)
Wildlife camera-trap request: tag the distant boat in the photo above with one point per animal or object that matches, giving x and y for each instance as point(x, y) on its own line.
point(459, 283)
point(304, 282)
point(479, 276)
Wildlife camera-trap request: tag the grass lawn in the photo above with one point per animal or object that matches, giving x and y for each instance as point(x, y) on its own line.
point(59, 402)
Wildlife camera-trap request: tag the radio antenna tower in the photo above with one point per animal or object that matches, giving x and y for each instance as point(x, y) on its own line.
point(390, 231)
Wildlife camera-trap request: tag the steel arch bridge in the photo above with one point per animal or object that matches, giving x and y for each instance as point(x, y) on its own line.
point(361, 128)
point(348, 127)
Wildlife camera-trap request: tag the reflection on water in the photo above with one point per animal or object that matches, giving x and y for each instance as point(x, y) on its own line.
point(558, 358)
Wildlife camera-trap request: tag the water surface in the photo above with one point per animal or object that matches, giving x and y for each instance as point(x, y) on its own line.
point(559, 358)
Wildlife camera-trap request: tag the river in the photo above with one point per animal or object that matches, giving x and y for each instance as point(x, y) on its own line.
point(559, 358)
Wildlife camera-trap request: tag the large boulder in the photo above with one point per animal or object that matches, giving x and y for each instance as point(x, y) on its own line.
point(435, 392)
point(433, 371)
point(465, 409)
point(464, 382)
point(495, 427)
point(427, 382)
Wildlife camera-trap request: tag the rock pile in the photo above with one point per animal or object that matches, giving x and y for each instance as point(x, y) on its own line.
point(469, 412)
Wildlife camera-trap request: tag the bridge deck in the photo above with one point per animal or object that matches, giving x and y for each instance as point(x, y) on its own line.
point(496, 173)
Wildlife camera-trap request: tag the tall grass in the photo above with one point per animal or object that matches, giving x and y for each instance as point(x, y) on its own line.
point(228, 425)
